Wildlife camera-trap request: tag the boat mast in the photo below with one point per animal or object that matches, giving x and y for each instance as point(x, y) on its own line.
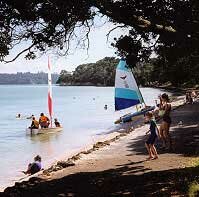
point(139, 92)
point(49, 92)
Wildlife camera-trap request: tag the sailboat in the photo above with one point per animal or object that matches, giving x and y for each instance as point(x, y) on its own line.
point(50, 110)
point(127, 93)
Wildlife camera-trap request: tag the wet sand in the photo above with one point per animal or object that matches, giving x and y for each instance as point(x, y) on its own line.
point(118, 166)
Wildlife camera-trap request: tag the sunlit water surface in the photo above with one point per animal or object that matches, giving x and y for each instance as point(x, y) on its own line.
point(79, 109)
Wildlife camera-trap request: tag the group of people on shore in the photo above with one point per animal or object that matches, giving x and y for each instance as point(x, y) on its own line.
point(163, 110)
point(190, 97)
point(43, 122)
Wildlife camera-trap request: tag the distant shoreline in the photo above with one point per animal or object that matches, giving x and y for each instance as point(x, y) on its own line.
point(26, 78)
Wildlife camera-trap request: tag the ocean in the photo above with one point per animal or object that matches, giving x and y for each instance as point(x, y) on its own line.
point(80, 110)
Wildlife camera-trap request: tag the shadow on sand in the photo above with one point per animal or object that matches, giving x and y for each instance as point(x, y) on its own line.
point(111, 182)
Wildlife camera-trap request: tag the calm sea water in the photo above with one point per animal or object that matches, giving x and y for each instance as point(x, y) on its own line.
point(79, 109)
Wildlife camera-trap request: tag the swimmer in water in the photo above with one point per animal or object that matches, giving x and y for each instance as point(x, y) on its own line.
point(105, 107)
point(18, 116)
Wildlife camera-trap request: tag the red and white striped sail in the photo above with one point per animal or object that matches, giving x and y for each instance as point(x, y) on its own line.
point(50, 104)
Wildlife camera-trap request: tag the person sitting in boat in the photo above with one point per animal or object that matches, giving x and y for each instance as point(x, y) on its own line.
point(34, 167)
point(44, 121)
point(35, 124)
point(57, 124)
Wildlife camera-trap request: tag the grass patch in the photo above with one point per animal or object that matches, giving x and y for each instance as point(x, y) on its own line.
point(194, 162)
point(193, 189)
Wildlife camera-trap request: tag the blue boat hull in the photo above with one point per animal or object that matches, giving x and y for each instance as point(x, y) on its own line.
point(128, 117)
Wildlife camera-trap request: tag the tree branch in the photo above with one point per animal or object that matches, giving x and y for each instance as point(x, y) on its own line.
point(143, 23)
point(107, 8)
point(27, 49)
point(108, 34)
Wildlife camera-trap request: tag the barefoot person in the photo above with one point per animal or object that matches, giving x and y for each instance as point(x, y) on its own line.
point(34, 167)
point(166, 121)
point(152, 137)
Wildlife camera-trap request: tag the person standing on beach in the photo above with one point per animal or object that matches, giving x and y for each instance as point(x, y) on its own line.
point(152, 137)
point(166, 120)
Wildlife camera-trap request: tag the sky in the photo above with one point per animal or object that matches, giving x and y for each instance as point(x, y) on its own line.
point(99, 48)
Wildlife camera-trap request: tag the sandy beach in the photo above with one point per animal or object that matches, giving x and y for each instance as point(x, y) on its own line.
point(117, 166)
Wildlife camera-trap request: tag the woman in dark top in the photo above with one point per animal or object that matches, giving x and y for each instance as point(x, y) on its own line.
point(166, 120)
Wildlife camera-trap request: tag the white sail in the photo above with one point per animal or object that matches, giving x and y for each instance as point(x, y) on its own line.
point(127, 93)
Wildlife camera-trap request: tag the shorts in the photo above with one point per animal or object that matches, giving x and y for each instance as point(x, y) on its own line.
point(151, 139)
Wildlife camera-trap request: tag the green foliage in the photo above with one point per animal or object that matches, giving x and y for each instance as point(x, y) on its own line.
point(170, 28)
point(193, 189)
point(64, 77)
point(151, 73)
point(143, 73)
point(101, 73)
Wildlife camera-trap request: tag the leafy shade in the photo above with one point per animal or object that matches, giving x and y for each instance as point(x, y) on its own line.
point(53, 24)
point(167, 28)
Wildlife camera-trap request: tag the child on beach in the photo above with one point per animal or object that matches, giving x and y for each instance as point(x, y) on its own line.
point(34, 167)
point(152, 137)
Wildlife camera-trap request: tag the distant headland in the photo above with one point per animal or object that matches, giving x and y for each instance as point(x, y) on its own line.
point(26, 78)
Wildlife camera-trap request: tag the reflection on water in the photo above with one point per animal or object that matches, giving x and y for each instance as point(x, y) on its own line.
point(45, 137)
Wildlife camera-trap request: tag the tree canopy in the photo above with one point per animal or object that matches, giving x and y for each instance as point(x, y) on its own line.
point(101, 73)
point(168, 28)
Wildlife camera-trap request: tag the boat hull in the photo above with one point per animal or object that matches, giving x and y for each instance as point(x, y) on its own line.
point(129, 117)
point(43, 131)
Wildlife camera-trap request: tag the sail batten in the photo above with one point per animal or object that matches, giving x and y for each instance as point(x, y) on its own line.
point(127, 93)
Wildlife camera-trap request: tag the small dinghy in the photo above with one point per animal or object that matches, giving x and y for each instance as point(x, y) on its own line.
point(50, 129)
point(43, 131)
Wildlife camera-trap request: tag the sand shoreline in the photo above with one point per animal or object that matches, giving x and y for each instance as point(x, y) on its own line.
point(105, 140)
